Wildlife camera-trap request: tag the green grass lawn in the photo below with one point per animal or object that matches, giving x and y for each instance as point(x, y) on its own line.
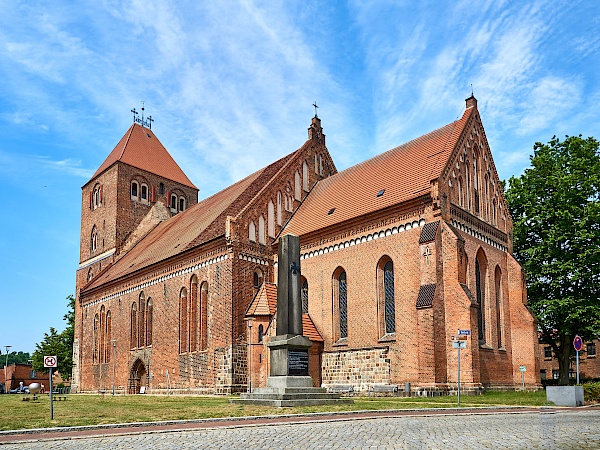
point(95, 409)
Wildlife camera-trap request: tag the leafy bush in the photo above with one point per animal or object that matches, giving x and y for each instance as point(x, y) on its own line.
point(592, 391)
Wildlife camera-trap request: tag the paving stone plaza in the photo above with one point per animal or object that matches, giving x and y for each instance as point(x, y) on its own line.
point(561, 429)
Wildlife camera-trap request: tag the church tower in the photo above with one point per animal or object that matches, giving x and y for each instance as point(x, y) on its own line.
point(137, 177)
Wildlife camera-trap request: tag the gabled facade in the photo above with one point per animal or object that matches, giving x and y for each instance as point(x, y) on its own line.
point(398, 253)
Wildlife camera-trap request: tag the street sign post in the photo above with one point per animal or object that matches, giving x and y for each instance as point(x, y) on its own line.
point(523, 369)
point(458, 342)
point(51, 362)
point(578, 344)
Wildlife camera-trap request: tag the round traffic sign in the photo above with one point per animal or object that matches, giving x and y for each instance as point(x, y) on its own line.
point(50, 361)
point(577, 343)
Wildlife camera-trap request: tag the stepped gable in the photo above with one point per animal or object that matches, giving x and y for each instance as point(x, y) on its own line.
point(402, 173)
point(140, 148)
point(199, 223)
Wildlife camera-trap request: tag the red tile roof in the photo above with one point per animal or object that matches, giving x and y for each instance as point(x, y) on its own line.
point(403, 173)
point(265, 301)
point(309, 329)
point(199, 223)
point(140, 148)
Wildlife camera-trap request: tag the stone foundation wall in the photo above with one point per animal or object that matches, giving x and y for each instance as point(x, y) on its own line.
point(359, 368)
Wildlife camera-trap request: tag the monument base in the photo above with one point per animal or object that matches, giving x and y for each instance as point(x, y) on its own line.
point(289, 392)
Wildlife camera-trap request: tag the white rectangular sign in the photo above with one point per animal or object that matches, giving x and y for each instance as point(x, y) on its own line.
point(459, 344)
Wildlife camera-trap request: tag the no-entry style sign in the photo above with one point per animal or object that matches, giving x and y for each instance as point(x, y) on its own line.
point(50, 361)
point(577, 343)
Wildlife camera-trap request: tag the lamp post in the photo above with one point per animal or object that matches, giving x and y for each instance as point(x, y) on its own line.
point(6, 387)
point(250, 354)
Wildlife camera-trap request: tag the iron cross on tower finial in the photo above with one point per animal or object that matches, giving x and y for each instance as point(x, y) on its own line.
point(142, 120)
point(315, 105)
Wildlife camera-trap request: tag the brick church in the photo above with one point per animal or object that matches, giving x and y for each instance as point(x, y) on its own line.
point(398, 253)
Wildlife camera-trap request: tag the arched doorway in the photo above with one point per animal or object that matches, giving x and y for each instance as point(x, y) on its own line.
point(137, 377)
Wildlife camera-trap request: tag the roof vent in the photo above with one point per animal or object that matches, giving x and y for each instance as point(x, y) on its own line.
point(148, 134)
point(331, 211)
point(380, 193)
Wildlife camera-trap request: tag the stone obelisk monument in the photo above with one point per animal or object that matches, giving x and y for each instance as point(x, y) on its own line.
point(289, 382)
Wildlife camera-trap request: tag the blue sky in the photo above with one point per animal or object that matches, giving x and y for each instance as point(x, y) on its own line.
point(231, 84)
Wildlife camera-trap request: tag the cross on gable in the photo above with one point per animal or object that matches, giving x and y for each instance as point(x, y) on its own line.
point(427, 254)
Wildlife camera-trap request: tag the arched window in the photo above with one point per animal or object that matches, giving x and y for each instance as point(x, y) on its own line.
point(316, 164)
point(144, 193)
point(340, 293)
point(480, 279)
point(133, 334)
point(261, 331)
point(321, 165)
point(271, 219)
point(134, 190)
point(194, 314)
point(279, 209)
point(149, 313)
point(174, 202)
point(467, 186)
point(460, 191)
point(261, 230)
point(204, 316)
point(297, 192)
point(386, 295)
point(258, 278)
point(142, 321)
point(102, 344)
point(95, 339)
point(304, 293)
point(499, 307)
point(181, 204)
point(305, 176)
point(252, 231)
point(108, 348)
point(94, 239)
point(97, 196)
point(183, 321)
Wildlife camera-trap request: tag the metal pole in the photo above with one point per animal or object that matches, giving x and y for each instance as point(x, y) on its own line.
point(577, 366)
point(458, 375)
point(6, 386)
point(249, 356)
point(51, 400)
point(523, 381)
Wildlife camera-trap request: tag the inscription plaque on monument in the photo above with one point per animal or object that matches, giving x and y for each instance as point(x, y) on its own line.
point(298, 362)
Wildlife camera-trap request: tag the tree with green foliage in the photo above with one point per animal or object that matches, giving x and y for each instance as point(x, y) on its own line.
point(59, 344)
point(555, 207)
point(15, 357)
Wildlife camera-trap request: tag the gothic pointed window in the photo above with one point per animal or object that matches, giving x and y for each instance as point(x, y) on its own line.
point(95, 338)
point(340, 294)
point(133, 334)
point(183, 321)
point(271, 219)
point(261, 230)
point(194, 314)
point(108, 346)
point(305, 176)
point(144, 193)
point(252, 231)
point(387, 301)
point(499, 307)
point(149, 314)
point(142, 321)
point(480, 280)
point(94, 240)
point(181, 204)
point(297, 191)
point(304, 296)
point(102, 344)
point(279, 209)
point(204, 316)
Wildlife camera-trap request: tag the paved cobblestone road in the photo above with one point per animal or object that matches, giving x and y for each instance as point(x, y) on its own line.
point(540, 430)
